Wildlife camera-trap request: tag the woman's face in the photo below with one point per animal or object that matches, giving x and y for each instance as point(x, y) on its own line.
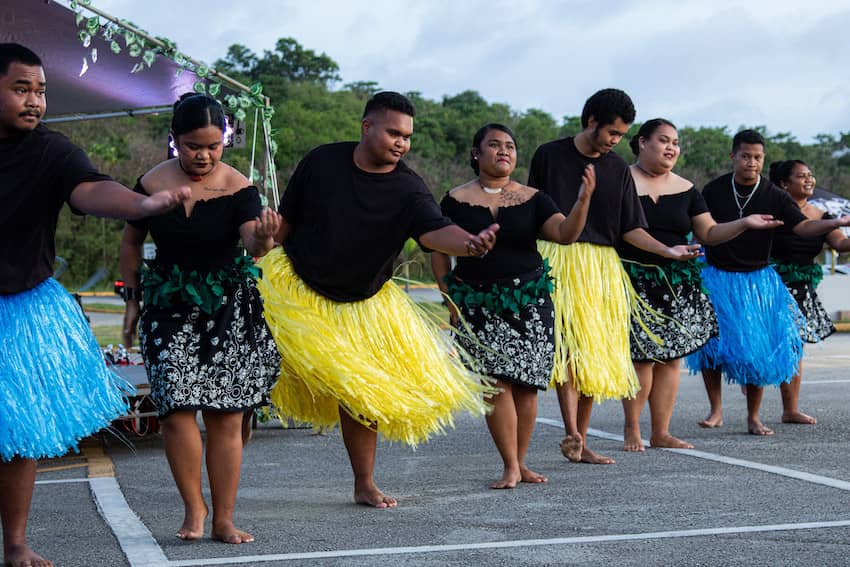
point(801, 182)
point(661, 150)
point(200, 150)
point(496, 154)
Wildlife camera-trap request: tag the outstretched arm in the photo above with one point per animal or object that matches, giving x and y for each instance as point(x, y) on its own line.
point(455, 241)
point(566, 229)
point(810, 228)
point(111, 199)
point(708, 231)
point(837, 241)
point(639, 238)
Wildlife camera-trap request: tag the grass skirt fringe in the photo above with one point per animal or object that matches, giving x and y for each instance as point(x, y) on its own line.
point(759, 341)
point(594, 302)
point(56, 388)
point(381, 359)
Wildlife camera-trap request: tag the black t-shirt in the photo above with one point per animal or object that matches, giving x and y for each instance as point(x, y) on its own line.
point(38, 172)
point(749, 251)
point(209, 237)
point(348, 225)
point(670, 222)
point(556, 169)
point(789, 248)
point(515, 252)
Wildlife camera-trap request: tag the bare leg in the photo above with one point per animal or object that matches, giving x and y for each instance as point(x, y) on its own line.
point(714, 388)
point(585, 406)
point(224, 460)
point(17, 481)
point(791, 397)
point(754, 424)
point(632, 408)
point(183, 448)
point(502, 423)
point(525, 401)
point(571, 445)
point(662, 399)
point(361, 444)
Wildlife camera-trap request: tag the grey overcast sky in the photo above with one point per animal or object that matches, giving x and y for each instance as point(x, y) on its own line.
point(784, 64)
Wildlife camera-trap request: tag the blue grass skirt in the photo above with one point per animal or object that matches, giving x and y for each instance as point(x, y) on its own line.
point(759, 341)
point(55, 388)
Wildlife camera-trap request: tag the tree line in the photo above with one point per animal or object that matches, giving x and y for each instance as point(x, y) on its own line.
point(314, 106)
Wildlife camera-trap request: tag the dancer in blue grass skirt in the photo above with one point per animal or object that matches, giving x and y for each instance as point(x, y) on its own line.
point(56, 388)
point(759, 342)
point(793, 258)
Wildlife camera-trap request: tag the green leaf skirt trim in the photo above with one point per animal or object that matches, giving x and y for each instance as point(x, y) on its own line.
point(499, 296)
point(670, 274)
point(166, 288)
point(798, 273)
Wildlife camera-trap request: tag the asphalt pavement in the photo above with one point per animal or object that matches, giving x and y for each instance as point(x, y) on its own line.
point(737, 499)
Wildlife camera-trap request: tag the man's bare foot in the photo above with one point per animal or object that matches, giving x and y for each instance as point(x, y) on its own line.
point(371, 496)
point(632, 441)
point(510, 478)
point(528, 475)
point(571, 447)
point(23, 556)
point(588, 456)
point(667, 441)
point(713, 420)
point(228, 533)
point(798, 417)
point(193, 524)
point(756, 427)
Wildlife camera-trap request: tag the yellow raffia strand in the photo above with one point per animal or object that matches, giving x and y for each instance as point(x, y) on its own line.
point(594, 300)
point(382, 359)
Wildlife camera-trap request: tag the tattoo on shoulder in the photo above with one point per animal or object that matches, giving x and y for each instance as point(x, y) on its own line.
point(215, 189)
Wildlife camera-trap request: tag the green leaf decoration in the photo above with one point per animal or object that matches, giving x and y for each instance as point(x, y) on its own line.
point(178, 72)
point(83, 36)
point(256, 89)
point(79, 18)
point(231, 101)
point(135, 50)
point(239, 114)
point(74, 6)
point(115, 47)
point(202, 71)
point(129, 38)
point(149, 57)
point(92, 24)
point(85, 2)
point(214, 89)
point(200, 87)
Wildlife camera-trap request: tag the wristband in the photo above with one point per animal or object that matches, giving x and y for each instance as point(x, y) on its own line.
point(129, 293)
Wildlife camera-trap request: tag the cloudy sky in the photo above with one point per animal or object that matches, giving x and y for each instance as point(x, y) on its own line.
point(784, 64)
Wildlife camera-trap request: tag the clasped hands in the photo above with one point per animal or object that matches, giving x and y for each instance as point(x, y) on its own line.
point(480, 244)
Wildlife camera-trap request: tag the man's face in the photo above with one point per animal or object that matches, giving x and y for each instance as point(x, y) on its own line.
point(386, 136)
point(22, 98)
point(747, 163)
point(605, 136)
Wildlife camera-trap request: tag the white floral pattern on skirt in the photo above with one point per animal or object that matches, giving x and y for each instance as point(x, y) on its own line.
point(818, 323)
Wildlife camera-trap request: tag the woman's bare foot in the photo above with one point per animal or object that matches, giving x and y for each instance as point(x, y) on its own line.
point(798, 417)
point(756, 427)
point(23, 556)
point(588, 456)
point(193, 524)
point(632, 441)
point(372, 496)
point(571, 447)
point(713, 420)
point(667, 441)
point(528, 475)
point(510, 478)
point(228, 533)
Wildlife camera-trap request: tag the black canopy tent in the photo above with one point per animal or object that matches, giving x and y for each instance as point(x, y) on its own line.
point(91, 81)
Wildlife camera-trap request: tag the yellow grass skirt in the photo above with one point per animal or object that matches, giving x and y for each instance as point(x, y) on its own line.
point(594, 300)
point(384, 360)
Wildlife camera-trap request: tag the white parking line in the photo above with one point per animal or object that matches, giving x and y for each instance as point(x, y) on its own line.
point(509, 544)
point(782, 471)
point(807, 382)
point(64, 481)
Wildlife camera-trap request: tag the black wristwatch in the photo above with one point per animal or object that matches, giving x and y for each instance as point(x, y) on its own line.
point(128, 293)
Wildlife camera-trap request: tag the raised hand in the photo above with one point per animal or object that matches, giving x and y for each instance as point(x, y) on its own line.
point(267, 224)
point(761, 222)
point(163, 201)
point(588, 183)
point(684, 252)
